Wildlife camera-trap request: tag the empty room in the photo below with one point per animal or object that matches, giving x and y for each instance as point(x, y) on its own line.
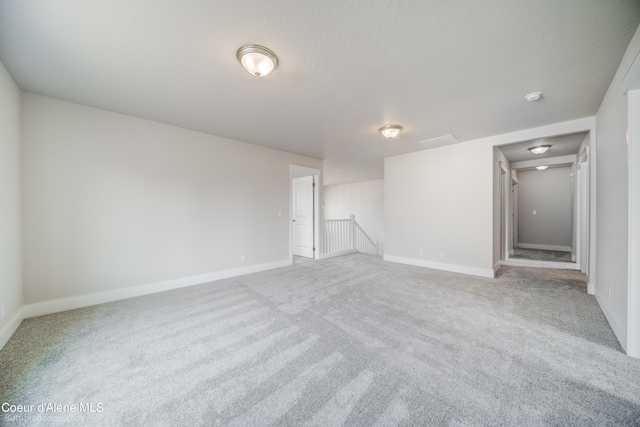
point(363, 213)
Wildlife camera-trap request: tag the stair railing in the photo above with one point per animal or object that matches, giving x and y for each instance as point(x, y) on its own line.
point(343, 236)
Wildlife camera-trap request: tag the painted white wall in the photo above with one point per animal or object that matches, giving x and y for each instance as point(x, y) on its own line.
point(612, 181)
point(115, 202)
point(365, 200)
point(440, 201)
point(10, 211)
point(548, 192)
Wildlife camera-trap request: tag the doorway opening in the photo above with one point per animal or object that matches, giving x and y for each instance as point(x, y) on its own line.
point(304, 212)
point(545, 203)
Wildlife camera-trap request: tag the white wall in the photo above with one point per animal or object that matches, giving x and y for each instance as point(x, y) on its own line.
point(441, 201)
point(115, 202)
point(548, 192)
point(365, 200)
point(612, 267)
point(10, 207)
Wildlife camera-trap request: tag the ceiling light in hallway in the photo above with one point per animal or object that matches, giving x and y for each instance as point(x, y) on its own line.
point(539, 149)
point(533, 96)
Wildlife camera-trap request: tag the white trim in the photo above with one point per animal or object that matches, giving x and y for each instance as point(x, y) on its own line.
point(335, 254)
point(548, 161)
point(543, 247)
point(620, 332)
point(318, 194)
point(10, 328)
point(633, 293)
point(70, 303)
point(463, 269)
point(515, 262)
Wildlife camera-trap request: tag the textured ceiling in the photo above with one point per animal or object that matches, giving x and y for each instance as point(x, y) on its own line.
point(436, 67)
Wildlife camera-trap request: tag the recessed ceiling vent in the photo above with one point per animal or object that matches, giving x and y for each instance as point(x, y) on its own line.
point(440, 141)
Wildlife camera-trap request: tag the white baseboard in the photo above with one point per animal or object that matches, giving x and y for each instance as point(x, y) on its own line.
point(10, 327)
point(516, 262)
point(619, 331)
point(463, 269)
point(334, 254)
point(544, 247)
point(70, 303)
point(496, 267)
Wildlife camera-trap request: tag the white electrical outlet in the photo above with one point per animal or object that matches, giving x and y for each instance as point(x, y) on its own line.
point(242, 258)
point(421, 252)
point(609, 292)
point(535, 212)
point(442, 255)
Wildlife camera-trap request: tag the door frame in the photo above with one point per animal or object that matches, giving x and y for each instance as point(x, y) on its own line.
point(633, 286)
point(587, 124)
point(297, 171)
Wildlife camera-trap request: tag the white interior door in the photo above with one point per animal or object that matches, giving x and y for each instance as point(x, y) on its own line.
point(302, 216)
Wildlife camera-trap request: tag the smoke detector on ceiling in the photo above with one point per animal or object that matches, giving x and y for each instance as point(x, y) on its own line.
point(440, 141)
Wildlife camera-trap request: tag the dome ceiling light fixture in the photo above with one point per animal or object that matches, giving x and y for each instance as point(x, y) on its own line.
point(533, 96)
point(390, 131)
point(541, 168)
point(539, 149)
point(257, 60)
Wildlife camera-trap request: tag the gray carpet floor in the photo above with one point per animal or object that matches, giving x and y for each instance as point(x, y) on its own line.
point(541, 255)
point(351, 340)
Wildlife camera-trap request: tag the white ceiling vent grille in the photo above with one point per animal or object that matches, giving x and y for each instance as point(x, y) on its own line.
point(440, 141)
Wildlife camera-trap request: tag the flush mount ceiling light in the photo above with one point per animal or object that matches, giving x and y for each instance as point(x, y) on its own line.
point(257, 60)
point(390, 131)
point(533, 96)
point(539, 149)
point(541, 168)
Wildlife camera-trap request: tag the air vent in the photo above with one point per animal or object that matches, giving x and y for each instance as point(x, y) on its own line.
point(440, 141)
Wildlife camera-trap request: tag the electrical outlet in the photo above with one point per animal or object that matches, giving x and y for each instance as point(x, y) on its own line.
point(242, 258)
point(442, 255)
point(535, 212)
point(421, 252)
point(609, 292)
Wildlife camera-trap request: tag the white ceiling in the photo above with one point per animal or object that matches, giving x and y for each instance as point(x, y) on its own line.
point(436, 67)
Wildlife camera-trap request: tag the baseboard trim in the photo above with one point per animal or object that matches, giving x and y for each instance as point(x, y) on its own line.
point(517, 262)
point(544, 247)
point(620, 332)
point(71, 303)
point(463, 269)
point(10, 328)
point(335, 254)
point(496, 267)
